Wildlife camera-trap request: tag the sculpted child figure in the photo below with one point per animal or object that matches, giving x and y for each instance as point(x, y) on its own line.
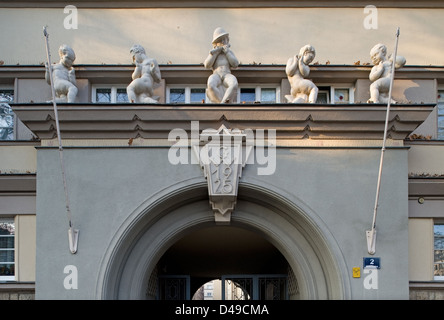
point(302, 90)
point(63, 75)
point(145, 74)
point(380, 75)
point(221, 85)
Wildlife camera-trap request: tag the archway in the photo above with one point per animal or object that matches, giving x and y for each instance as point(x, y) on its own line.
point(151, 230)
point(250, 266)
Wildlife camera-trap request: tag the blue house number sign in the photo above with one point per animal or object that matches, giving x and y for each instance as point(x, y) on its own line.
point(372, 263)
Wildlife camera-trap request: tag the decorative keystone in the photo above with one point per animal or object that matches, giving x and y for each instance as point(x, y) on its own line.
point(221, 156)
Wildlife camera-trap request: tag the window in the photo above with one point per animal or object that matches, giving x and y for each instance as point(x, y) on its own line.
point(323, 96)
point(186, 95)
point(256, 94)
point(7, 264)
point(438, 270)
point(440, 114)
point(109, 94)
point(340, 94)
point(7, 117)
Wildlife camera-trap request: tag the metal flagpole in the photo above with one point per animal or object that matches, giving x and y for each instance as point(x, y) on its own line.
point(73, 234)
point(371, 234)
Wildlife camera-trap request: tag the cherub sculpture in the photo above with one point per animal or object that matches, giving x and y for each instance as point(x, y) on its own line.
point(297, 69)
point(145, 75)
point(63, 75)
point(380, 75)
point(222, 84)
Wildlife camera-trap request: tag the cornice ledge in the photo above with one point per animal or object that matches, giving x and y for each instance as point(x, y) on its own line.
point(291, 121)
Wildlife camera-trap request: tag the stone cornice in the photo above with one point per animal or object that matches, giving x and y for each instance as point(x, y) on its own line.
point(291, 121)
point(17, 183)
point(245, 73)
point(426, 187)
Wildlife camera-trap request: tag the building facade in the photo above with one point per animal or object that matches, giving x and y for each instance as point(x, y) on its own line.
point(124, 205)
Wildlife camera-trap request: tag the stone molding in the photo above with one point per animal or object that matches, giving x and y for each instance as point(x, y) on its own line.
point(178, 73)
point(291, 121)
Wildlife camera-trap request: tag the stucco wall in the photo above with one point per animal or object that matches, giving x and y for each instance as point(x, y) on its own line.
point(336, 185)
point(426, 160)
point(18, 159)
point(25, 244)
point(420, 249)
point(258, 35)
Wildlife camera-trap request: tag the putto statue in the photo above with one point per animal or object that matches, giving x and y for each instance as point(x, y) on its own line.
point(302, 90)
point(146, 73)
point(63, 75)
point(221, 85)
point(380, 75)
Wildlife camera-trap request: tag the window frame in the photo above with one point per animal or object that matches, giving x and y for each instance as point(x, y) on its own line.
point(328, 92)
point(258, 91)
point(337, 86)
point(439, 114)
point(113, 88)
point(435, 223)
point(14, 118)
point(187, 89)
point(9, 278)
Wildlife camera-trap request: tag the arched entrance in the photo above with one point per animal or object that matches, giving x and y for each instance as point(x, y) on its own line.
point(291, 232)
point(250, 266)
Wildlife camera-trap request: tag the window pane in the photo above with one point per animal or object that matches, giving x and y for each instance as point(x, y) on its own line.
point(322, 97)
point(439, 250)
point(439, 236)
point(177, 95)
point(7, 230)
point(268, 95)
point(7, 255)
point(103, 95)
point(6, 242)
point(441, 114)
point(197, 95)
point(247, 95)
point(7, 95)
point(440, 96)
point(6, 269)
point(121, 95)
point(7, 227)
point(342, 96)
point(6, 122)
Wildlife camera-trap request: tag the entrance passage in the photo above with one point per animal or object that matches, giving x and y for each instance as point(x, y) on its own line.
point(223, 263)
point(178, 237)
point(231, 287)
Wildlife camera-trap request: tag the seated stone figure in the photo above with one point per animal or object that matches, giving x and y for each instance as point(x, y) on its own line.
point(221, 85)
point(145, 74)
point(63, 76)
point(380, 75)
point(297, 69)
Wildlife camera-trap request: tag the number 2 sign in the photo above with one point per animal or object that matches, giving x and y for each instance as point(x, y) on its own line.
point(372, 263)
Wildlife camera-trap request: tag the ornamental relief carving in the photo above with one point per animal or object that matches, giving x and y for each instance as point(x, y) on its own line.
point(222, 160)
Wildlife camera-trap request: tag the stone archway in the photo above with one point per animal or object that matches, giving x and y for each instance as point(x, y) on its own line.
point(300, 236)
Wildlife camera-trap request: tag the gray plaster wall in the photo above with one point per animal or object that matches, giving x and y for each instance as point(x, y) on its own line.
point(106, 185)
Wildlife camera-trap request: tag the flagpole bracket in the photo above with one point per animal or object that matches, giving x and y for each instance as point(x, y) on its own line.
point(371, 241)
point(73, 237)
